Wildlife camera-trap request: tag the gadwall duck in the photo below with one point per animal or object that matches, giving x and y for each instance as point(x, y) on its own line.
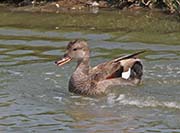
point(86, 80)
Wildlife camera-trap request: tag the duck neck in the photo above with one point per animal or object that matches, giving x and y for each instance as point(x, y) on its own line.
point(83, 66)
point(79, 81)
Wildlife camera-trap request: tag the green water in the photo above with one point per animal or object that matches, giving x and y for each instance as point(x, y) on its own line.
point(34, 95)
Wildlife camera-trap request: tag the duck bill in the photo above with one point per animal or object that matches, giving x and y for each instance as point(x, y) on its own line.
point(63, 61)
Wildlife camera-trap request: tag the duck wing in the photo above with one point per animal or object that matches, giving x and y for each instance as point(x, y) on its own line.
point(115, 67)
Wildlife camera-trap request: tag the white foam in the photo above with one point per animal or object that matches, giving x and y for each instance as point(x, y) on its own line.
point(50, 79)
point(148, 102)
point(111, 99)
point(50, 73)
point(15, 72)
point(58, 98)
point(41, 96)
point(75, 96)
point(172, 105)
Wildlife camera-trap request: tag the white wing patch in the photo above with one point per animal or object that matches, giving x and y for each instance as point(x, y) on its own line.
point(127, 74)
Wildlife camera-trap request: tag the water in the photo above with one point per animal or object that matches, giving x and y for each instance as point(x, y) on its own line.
point(33, 91)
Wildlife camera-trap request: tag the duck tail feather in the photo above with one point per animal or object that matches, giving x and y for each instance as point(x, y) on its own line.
point(129, 56)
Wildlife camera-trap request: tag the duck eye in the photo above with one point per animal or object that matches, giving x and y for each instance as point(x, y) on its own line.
point(74, 49)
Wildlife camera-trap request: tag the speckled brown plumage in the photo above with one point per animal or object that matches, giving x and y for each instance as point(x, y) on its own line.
point(87, 80)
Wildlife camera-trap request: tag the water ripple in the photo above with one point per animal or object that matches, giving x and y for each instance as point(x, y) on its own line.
point(123, 99)
point(34, 93)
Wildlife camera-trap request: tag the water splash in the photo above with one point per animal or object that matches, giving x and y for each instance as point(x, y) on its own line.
point(123, 99)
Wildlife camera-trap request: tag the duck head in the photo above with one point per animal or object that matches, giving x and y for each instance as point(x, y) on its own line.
point(76, 49)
